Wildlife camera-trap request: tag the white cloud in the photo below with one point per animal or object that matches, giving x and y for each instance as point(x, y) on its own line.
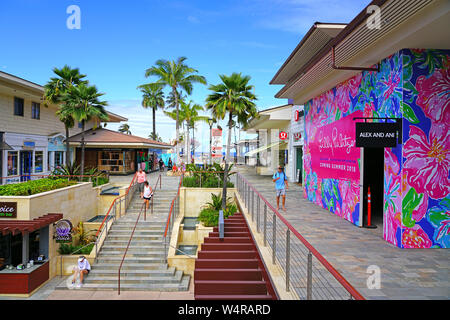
point(193, 19)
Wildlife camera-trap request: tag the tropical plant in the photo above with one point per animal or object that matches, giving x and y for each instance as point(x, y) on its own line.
point(84, 104)
point(34, 187)
point(125, 128)
point(83, 236)
point(176, 75)
point(152, 97)
point(155, 137)
point(55, 89)
point(233, 98)
point(68, 248)
point(66, 170)
point(209, 215)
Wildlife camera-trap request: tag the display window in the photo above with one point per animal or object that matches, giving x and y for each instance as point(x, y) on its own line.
point(38, 161)
point(13, 163)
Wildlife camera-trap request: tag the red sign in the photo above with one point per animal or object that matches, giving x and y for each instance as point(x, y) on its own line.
point(283, 135)
point(296, 115)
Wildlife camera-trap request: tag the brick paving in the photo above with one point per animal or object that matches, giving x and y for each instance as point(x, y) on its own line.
point(405, 273)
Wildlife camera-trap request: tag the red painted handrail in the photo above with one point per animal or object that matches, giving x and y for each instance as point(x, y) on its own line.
point(350, 289)
point(171, 206)
point(112, 204)
point(128, 245)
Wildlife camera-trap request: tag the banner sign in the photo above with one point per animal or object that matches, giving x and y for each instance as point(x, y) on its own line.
point(283, 135)
point(8, 209)
point(376, 135)
point(216, 145)
point(333, 151)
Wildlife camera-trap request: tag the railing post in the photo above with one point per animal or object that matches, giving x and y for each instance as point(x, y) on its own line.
point(257, 216)
point(274, 237)
point(120, 207)
point(265, 224)
point(145, 210)
point(152, 205)
point(309, 277)
point(253, 206)
point(288, 258)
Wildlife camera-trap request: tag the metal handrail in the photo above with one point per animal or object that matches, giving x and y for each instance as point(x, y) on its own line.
point(348, 287)
point(182, 252)
point(128, 245)
point(171, 206)
point(132, 183)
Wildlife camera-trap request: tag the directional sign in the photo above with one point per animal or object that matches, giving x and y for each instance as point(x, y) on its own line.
point(376, 135)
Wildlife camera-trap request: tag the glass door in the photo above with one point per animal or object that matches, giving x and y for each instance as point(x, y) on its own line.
point(26, 165)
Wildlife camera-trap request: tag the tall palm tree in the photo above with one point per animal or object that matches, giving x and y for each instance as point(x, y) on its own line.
point(152, 97)
point(232, 97)
point(125, 128)
point(191, 117)
point(176, 75)
point(55, 89)
point(84, 104)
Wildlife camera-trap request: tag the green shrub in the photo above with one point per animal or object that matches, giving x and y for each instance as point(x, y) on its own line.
point(34, 187)
point(69, 249)
point(211, 182)
point(209, 215)
point(190, 182)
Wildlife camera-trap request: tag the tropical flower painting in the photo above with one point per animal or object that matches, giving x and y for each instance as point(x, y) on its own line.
point(413, 85)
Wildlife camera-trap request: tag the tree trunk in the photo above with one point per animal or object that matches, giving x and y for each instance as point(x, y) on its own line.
point(154, 123)
point(193, 142)
point(227, 159)
point(187, 144)
point(177, 124)
point(67, 146)
point(82, 148)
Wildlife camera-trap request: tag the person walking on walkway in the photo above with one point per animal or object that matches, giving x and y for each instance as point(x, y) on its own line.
point(281, 185)
point(148, 193)
point(141, 178)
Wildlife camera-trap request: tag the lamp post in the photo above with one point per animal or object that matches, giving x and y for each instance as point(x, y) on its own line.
point(210, 122)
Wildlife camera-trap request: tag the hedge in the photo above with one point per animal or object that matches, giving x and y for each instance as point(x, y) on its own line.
point(34, 187)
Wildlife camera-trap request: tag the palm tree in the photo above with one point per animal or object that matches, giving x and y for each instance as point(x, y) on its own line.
point(55, 89)
point(155, 137)
point(232, 97)
point(190, 114)
point(84, 104)
point(175, 74)
point(152, 97)
point(125, 128)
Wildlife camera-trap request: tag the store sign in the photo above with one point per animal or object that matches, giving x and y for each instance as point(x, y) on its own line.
point(283, 135)
point(297, 136)
point(63, 230)
point(296, 115)
point(8, 209)
point(376, 135)
point(333, 151)
point(29, 144)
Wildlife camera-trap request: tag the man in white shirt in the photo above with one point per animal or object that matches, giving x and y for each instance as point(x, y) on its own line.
point(82, 269)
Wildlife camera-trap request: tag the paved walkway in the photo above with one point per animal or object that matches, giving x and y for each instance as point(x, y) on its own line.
point(405, 273)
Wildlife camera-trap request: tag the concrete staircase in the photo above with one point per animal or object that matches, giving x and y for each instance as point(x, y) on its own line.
point(144, 267)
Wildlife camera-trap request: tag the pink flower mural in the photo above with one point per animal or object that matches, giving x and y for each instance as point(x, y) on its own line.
point(345, 90)
point(392, 196)
point(434, 95)
point(415, 238)
point(428, 160)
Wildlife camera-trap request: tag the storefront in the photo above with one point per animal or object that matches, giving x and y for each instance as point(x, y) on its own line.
point(24, 250)
point(56, 151)
point(118, 153)
point(27, 158)
point(296, 134)
point(397, 86)
point(272, 129)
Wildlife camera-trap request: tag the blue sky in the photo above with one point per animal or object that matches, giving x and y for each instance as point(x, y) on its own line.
point(119, 40)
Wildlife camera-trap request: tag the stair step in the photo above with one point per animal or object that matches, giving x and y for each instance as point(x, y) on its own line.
point(228, 274)
point(230, 234)
point(227, 246)
point(130, 254)
point(227, 240)
point(130, 259)
point(227, 263)
point(132, 272)
point(129, 266)
point(226, 254)
point(229, 287)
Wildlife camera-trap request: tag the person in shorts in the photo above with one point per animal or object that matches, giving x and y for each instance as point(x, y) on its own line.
point(148, 193)
point(141, 178)
point(83, 268)
point(281, 185)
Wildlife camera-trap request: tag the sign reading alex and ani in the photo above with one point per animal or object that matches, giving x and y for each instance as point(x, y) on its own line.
point(376, 135)
point(333, 151)
point(8, 209)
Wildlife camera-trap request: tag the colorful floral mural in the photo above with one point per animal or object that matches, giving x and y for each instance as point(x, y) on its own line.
point(413, 85)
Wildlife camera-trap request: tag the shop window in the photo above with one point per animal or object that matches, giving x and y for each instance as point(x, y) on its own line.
point(35, 110)
point(38, 161)
point(18, 106)
point(5, 250)
point(59, 158)
point(48, 161)
point(12, 163)
point(34, 245)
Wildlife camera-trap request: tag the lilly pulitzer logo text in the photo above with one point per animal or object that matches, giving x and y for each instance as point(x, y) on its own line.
point(337, 140)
